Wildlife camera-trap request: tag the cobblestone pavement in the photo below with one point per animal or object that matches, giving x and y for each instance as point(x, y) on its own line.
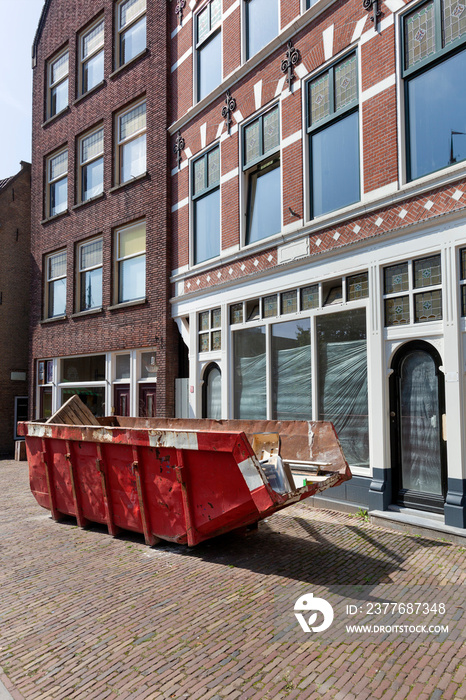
point(87, 617)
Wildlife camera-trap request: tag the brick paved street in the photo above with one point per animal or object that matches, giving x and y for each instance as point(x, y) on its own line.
point(88, 617)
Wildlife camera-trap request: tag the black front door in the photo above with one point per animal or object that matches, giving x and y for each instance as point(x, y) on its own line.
point(417, 411)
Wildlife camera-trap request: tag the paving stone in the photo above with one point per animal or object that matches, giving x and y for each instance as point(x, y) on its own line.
point(84, 616)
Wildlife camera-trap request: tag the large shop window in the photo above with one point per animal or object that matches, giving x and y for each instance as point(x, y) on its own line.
point(90, 370)
point(290, 365)
point(333, 127)
point(261, 163)
point(131, 29)
point(291, 371)
point(209, 48)
point(250, 390)
point(261, 24)
point(131, 262)
point(434, 65)
point(206, 206)
point(342, 380)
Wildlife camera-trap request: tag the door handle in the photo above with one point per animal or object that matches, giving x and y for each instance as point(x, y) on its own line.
point(444, 427)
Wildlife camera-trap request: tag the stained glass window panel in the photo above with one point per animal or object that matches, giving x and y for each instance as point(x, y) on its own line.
point(357, 287)
point(463, 300)
point(252, 143)
point(428, 306)
point(397, 311)
point(271, 131)
point(236, 313)
point(427, 272)
point(216, 318)
point(419, 35)
point(319, 91)
point(199, 175)
point(213, 159)
point(345, 82)
point(204, 342)
point(269, 306)
point(203, 24)
point(217, 340)
point(310, 297)
point(215, 12)
point(463, 263)
point(289, 302)
point(396, 278)
point(454, 20)
point(204, 321)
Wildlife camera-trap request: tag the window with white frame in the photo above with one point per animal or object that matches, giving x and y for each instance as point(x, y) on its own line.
point(57, 98)
point(91, 47)
point(262, 24)
point(277, 372)
point(206, 205)
point(84, 376)
point(131, 29)
point(333, 128)
point(434, 65)
point(90, 274)
point(413, 291)
point(91, 164)
point(57, 183)
point(210, 333)
point(131, 138)
point(131, 262)
point(209, 48)
point(261, 165)
point(55, 284)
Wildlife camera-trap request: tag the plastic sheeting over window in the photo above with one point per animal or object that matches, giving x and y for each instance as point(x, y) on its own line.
point(250, 373)
point(291, 371)
point(342, 354)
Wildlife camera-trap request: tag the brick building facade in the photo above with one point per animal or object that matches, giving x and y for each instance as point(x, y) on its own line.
point(319, 229)
point(100, 322)
point(15, 226)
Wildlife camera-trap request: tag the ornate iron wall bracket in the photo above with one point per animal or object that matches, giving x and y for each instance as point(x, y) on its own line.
point(374, 6)
point(180, 5)
point(292, 59)
point(228, 109)
point(178, 148)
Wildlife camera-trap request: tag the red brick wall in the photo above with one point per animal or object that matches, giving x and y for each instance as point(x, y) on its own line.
point(379, 137)
point(15, 222)
point(143, 325)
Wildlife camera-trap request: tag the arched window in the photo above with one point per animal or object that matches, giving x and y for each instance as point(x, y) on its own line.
point(212, 392)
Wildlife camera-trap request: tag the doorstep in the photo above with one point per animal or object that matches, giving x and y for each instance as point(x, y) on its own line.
point(417, 522)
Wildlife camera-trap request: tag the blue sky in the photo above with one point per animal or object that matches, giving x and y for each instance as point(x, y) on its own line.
point(17, 29)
